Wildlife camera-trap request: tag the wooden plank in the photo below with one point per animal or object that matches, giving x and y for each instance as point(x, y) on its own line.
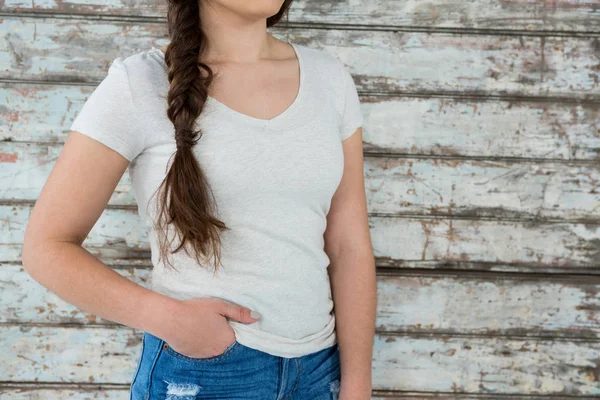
point(484, 127)
point(68, 354)
point(431, 364)
point(495, 189)
point(40, 391)
point(522, 245)
point(398, 241)
point(486, 365)
point(430, 303)
point(559, 15)
point(381, 61)
point(489, 305)
point(395, 186)
point(394, 124)
point(391, 395)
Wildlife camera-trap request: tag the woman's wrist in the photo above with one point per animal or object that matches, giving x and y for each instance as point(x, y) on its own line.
point(158, 314)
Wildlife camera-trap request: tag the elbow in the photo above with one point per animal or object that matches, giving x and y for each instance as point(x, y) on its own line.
point(32, 253)
point(40, 250)
point(28, 259)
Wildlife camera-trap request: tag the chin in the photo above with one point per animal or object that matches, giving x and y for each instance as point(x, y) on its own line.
point(256, 8)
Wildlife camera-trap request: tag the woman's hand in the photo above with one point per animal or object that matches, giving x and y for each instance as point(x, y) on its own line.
point(199, 327)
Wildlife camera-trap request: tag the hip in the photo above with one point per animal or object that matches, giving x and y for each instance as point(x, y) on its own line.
point(239, 372)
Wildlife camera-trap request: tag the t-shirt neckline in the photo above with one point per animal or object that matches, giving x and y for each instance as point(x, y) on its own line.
point(281, 118)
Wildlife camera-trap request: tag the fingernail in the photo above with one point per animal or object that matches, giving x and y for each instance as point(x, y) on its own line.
point(254, 314)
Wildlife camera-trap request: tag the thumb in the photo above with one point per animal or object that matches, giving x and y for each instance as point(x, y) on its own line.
point(239, 313)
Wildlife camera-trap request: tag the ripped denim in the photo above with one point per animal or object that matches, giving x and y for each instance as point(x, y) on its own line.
point(240, 372)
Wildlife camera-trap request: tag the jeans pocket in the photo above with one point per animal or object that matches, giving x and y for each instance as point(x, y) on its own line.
point(172, 352)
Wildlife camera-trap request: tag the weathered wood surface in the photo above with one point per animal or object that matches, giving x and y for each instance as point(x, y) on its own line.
point(400, 362)
point(483, 188)
point(477, 305)
point(480, 127)
point(75, 391)
point(381, 61)
point(486, 365)
point(482, 136)
point(556, 15)
point(486, 244)
point(119, 392)
point(520, 244)
point(396, 186)
point(433, 303)
point(427, 126)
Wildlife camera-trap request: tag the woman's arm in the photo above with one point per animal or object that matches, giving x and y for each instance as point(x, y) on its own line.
point(74, 196)
point(352, 274)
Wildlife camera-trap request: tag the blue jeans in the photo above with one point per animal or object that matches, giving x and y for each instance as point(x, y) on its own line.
point(240, 372)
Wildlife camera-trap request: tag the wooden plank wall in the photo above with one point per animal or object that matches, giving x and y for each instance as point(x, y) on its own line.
point(482, 150)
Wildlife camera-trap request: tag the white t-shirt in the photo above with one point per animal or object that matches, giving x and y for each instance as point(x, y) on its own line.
point(273, 181)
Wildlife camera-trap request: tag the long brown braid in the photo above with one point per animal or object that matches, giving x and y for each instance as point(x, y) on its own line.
point(186, 200)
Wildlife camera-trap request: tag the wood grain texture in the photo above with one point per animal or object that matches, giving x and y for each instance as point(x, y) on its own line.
point(462, 187)
point(509, 305)
point(421, 125)
point(555, 15)
point(488, 365)
point(486, 244)
point(425, 126)
point(381, 61)
point(441, 364)
point(77, 391)
point(517, 243)
point(24, 391)
point(489, 128)
point(481, 142)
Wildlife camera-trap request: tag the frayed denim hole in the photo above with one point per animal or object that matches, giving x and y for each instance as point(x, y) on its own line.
point(182, 391)
point(334, 389)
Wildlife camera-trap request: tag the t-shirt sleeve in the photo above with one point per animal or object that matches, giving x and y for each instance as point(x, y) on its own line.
point(352, 117)
point(108, 114)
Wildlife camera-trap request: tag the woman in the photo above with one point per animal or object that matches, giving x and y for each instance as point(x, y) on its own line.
point(245, 158)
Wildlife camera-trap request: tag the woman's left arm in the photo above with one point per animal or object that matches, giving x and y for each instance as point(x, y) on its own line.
point(352, 274)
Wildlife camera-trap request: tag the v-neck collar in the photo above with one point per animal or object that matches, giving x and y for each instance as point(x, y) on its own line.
point(282, 118)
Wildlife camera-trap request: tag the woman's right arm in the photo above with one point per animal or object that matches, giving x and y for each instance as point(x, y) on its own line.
point(105, 136)
point(76, 193)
